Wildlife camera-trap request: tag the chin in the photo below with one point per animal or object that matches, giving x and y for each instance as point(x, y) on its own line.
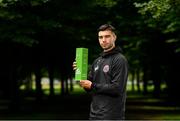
point(104, 48)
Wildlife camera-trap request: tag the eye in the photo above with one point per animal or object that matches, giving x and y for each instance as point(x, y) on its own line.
point(100, 37)
point(107, 36)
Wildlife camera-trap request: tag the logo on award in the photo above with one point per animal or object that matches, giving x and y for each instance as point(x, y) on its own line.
point(78, 71)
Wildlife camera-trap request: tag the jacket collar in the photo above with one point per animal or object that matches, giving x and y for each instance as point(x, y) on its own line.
point(111, 52)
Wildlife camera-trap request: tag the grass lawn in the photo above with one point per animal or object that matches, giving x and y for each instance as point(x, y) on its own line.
point(76, 106)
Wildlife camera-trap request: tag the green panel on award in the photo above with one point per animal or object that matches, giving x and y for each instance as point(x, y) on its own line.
point(82, 63)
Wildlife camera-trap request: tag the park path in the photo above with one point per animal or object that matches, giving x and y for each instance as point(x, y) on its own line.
point(149, 108)
point(76, 107)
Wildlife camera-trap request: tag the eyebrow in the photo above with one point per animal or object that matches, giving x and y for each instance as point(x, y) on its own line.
point(104, 36)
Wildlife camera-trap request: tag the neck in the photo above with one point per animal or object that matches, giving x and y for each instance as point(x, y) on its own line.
point(107, 50)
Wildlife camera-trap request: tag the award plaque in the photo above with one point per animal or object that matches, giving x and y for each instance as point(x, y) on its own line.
point(81, 63)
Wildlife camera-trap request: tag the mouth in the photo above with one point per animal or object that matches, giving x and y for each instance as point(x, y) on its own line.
point(104, 45)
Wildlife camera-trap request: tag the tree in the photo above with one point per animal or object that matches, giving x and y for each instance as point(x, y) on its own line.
point(163, 16)
point(163, 12)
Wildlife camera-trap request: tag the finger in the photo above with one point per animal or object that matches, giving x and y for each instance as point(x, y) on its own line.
point(81, 82)
point(74, 68)
point(74, 65)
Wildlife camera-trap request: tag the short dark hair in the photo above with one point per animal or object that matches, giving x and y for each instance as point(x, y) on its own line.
point(106, 27)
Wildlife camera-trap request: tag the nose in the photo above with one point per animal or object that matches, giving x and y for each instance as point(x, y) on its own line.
point(103, 39)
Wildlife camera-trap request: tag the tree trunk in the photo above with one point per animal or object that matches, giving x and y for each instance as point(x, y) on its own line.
point(29, 83)
point(51, 79)
point(38, 85)
point(62, 86)
point(133, 77)
point(138, 80)
point(67, 86)
point(14, 88)
point(145, 80)
point(156, 80)
point(71, 84)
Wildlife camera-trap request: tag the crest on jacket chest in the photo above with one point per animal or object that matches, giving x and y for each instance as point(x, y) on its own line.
point(106, 68)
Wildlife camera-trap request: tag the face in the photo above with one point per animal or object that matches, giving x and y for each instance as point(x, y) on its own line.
point(107, 40)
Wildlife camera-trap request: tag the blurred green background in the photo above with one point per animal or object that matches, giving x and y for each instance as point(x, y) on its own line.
point(38, 39)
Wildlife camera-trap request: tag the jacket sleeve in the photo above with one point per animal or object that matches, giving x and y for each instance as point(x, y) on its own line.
point(119, 78)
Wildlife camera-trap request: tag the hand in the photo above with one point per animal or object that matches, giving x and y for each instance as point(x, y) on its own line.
point(85, 84)
point(74, 66)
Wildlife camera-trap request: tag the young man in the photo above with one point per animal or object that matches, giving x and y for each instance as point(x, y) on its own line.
point(107, 79)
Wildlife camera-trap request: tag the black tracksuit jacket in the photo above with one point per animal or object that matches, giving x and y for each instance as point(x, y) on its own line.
point(108, 74)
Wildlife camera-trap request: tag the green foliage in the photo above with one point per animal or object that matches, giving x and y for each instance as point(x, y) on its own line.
point(165, 11)
point(106, 3)
point(157, 8)
point(164, 15)
point(6, 3)
point(17, 25)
